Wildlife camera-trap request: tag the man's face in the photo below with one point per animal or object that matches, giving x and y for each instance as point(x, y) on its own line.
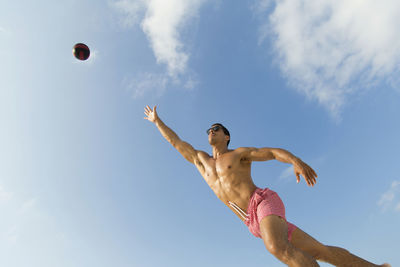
point(216, 135)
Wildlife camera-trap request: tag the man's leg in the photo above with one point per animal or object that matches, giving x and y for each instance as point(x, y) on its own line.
point(333, 255)
point(274, 232)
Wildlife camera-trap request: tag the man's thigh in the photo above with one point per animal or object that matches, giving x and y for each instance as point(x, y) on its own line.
point(274, 229)
point(306, 243)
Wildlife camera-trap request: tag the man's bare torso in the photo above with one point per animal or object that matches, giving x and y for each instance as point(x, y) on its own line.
point(229, 176)
point(228, 172)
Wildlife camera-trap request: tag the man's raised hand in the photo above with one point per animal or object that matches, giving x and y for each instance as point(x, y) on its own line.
point(151, 114)
point(302, 168)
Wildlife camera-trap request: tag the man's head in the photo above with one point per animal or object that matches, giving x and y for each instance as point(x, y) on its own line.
point(218, 132)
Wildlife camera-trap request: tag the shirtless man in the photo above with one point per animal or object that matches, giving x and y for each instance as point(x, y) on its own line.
point(227, 172)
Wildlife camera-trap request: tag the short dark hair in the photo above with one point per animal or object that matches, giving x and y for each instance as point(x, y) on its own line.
point(226, 132)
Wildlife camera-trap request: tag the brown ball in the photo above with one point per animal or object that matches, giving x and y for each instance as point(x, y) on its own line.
point(81, 51)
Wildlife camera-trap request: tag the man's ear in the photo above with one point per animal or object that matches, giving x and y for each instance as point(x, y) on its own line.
point(227, 137)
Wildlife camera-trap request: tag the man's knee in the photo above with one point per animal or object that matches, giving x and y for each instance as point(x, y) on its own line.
point(279, 249)
point(319, 253)
point(327, 253)
point(288, 254)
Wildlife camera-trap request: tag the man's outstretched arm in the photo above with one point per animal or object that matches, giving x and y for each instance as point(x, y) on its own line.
point(266, 153)
point(187, 151)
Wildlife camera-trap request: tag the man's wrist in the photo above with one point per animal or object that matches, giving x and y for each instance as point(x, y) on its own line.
point(157, 121)
point(295, 160)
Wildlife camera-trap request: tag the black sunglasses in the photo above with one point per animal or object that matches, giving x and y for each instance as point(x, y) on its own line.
point(214, 129)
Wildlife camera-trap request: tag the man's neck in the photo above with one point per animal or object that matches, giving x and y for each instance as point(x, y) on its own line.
point(218, 150)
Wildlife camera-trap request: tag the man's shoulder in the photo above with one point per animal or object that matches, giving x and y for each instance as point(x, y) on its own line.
point(203, 154)
point(243, 149)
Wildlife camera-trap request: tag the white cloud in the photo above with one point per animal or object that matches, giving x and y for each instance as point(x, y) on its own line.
point(162, 23)
point(287, 173)
point(389, 197)
point(156, 84)
point(146, 82)
point(329, 50)
point(190, 83)
point(131, 10)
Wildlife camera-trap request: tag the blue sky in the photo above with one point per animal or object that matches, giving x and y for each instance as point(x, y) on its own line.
point(86, 181)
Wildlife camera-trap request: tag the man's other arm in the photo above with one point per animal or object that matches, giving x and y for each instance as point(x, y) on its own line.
point(282, 155)
point(187, 151)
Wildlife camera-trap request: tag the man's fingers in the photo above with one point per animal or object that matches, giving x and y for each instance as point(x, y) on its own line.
point(308, 173)
point(148, 110)
point(313, 180)
point(150, 113)
point(311, 177)
point(313, 172)
point(308, 181)
point(314, 175)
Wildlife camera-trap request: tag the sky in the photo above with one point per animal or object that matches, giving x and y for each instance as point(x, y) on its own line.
point(86, 181)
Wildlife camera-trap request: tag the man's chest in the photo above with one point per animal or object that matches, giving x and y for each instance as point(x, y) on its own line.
point(225, 174)
point(225, 165)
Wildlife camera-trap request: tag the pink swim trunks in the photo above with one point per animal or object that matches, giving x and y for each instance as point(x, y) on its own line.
point(262, 203)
